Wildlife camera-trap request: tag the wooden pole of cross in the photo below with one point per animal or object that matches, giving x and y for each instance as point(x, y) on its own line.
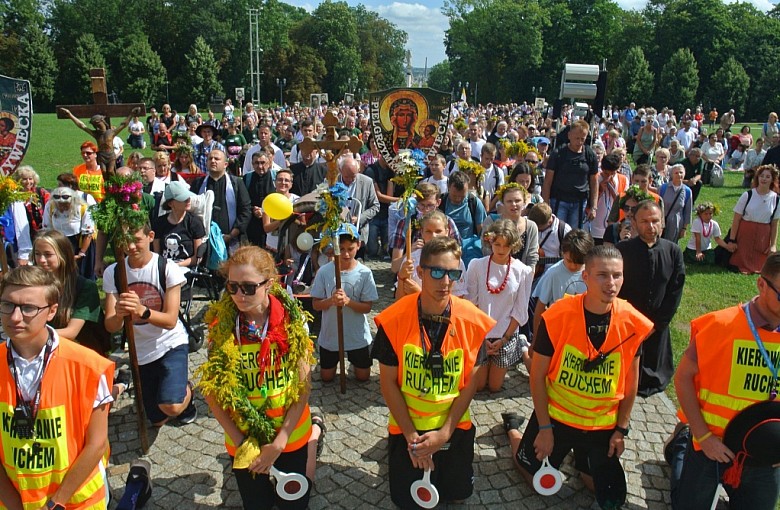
point(100, 113)
point(332, 149)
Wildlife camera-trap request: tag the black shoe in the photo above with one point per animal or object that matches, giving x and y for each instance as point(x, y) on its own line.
point(138, 489)
point(124, 377)
point(190, 414)
point(512, 421)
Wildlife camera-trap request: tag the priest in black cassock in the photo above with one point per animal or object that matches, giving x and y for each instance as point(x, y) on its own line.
point(653, 280)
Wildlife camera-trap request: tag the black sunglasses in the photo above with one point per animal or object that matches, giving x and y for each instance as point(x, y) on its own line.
point(630, 208)
point(61, 197)
point(774, 289)
point(248, 289)
point(437, 273)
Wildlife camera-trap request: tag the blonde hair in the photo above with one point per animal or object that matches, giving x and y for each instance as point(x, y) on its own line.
point(33, 276)
point(249, 255)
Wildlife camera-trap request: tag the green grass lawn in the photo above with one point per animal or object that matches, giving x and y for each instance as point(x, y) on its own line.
point(54, 149)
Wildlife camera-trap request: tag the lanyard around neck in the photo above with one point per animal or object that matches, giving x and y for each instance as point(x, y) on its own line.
point(772, 368)
point(33, 405)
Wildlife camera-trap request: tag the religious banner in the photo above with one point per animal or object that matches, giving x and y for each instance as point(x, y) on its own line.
point(409, 118)
point(15, 122)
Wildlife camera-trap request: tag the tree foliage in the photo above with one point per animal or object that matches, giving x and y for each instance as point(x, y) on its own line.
point(200, 73)
point(38, 65)
point(679, 81)
point(144, 74)
point(88, 55)
point(440, 76)
point(633, 80)
point(729, 87)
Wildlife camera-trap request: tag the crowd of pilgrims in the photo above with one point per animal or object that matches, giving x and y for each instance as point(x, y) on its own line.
point(525, 222)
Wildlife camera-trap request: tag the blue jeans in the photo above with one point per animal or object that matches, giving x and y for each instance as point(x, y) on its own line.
point(572, 213)
point(377, 229)
point(695, 479)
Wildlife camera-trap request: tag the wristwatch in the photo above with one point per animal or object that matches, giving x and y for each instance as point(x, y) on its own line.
point(147, 313)
point(51, 505)
point(622, 430)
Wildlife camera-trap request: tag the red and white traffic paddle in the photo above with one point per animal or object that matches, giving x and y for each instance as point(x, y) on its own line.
point(424, 493)
point(548, 480)
point(290, 486)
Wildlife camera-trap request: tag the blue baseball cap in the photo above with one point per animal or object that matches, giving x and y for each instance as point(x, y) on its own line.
point(348, 229)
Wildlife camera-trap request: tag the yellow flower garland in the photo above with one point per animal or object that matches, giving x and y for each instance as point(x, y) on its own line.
point(221, 376)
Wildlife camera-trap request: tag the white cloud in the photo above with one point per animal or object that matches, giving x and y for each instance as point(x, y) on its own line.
point(763, 5)
point(425, 26)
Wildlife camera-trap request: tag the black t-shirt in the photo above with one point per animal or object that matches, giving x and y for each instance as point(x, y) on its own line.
point(176, 241)
point(572, 173)
point(382, 349)
point(596, 325)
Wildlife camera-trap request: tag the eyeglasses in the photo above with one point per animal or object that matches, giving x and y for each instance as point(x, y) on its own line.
point(774, 289)
point(28, 311)
point(437, 273)
point(630, 208)
point(62, 198)
point(87, 153)
point(248, 289)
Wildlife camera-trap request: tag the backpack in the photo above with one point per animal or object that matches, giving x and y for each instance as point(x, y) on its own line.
point(472, 204)
point(8, 227)
point(717, 180)
point(218, 252)
point(162, 263)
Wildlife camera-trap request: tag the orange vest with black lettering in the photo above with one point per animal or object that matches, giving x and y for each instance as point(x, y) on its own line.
point(272, 385)
point(90, 181)
point(589, 400)
point(732, 372)
point(68, 389)
point(428, 401)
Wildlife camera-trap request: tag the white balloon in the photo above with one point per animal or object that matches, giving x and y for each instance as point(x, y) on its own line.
point(305, 241)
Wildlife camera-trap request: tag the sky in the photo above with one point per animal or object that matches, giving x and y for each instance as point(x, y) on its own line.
point(425, 23)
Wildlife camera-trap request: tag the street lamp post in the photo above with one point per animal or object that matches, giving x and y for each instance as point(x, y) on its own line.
point(281, 83)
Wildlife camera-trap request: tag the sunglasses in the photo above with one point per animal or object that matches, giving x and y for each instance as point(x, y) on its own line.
point(437, 273)
point(248, 289)
point(629, 208)
point(87, 153)
point(63, 198)
point(774, 289)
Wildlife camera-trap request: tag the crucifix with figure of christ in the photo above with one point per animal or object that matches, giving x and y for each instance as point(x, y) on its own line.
point(332, 149)
point(100, 113)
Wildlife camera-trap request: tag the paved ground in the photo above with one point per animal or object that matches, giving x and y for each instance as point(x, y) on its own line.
point(190, 467)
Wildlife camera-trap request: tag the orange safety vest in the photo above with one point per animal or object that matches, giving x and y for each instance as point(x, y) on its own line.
point(90, 181)
point(429, 401)
point(271, 385)
point(732, 372)
point(63, 417)
point(589, 400)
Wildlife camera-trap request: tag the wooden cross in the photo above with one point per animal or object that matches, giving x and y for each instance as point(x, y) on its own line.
point(100, 114)
point(333, 148)
point(100, 101)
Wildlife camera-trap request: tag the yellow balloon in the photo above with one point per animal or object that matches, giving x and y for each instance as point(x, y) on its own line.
point(277, 206)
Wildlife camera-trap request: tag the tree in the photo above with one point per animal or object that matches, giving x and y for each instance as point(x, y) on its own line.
point(679, 81)
point(200, 74)
point(143, 74)
point(633, 79)
point(729, 87)
point(440, 76)
point(38, 65)
point(381, 50)
point(88, 55)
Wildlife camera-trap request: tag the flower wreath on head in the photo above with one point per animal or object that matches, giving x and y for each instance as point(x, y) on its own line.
point(222, 378)
point(507, 187)
point(473, 168)
point(704, 206)
point(636, 193)
point(184, 150)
